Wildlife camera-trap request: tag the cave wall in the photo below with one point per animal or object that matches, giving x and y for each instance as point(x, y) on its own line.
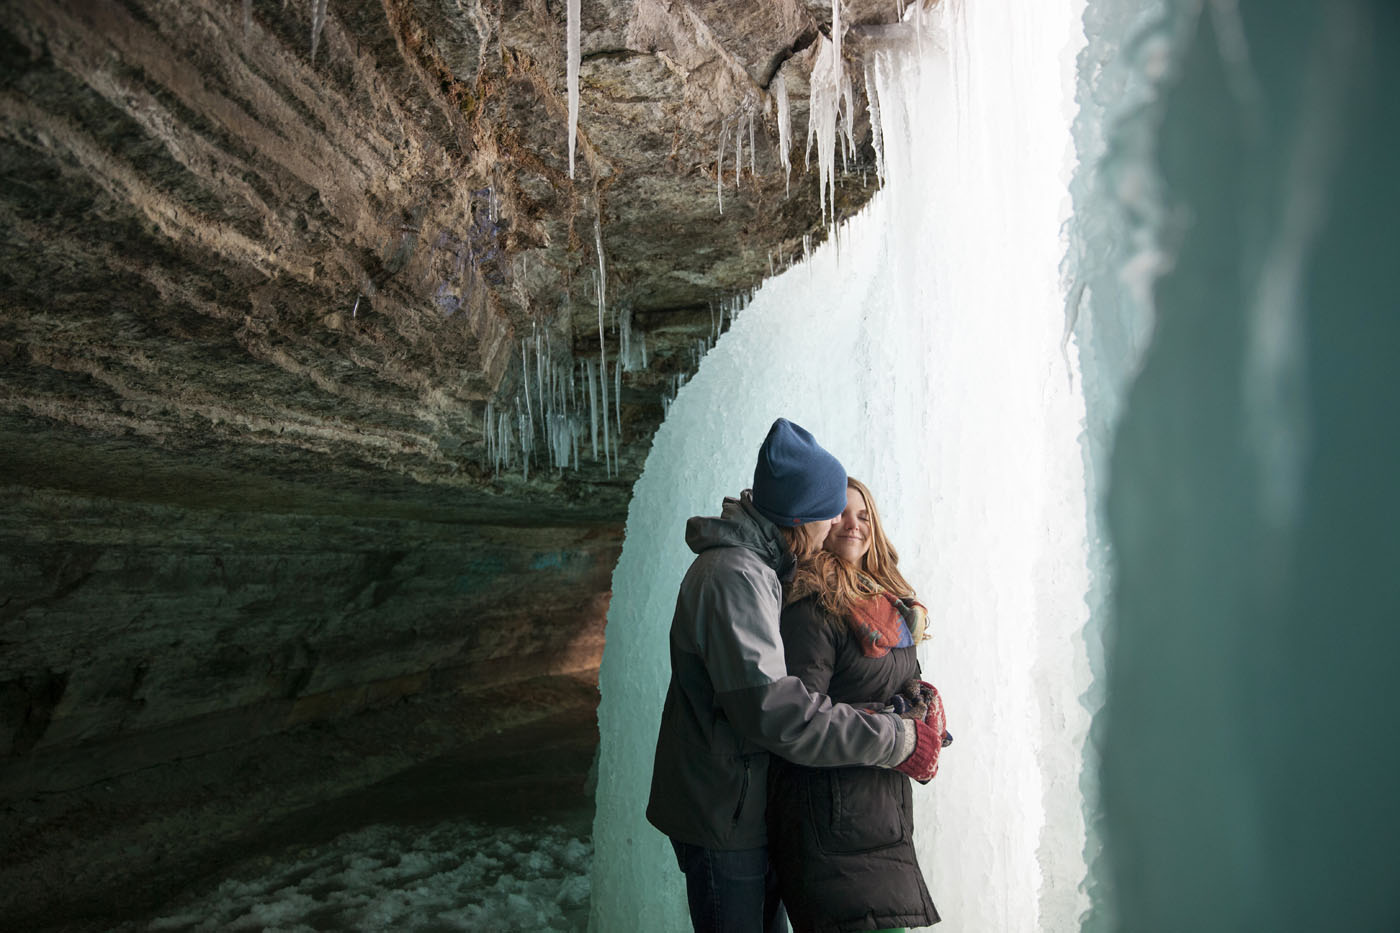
point(143, 633)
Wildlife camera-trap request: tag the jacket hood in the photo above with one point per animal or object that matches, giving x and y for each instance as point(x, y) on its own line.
point(739, 524)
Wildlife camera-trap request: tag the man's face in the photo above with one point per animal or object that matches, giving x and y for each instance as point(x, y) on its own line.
point(813, 534)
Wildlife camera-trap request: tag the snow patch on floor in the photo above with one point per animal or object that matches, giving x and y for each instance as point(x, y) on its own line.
point(453, 876)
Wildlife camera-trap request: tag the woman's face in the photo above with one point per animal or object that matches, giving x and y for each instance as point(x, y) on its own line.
point(850, 533)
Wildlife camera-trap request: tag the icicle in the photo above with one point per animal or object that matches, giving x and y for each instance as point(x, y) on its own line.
point(526, 441)
point(738, 150)
point(539, 368)
point(836, 27)
point(784, 130)
point(318, 22)
point(624, 333)
point(753, 170)
point(602, 269)
point(617, 402)
point(544, 369)
point(488, 430)
point(644, 350)
point(848, 99)
point(592, 405)
point(503, 435)
point(559, 440)
point(823, 108)
point(719, 166)
point(355, 310)
point(602, 337)
point(574, 56)
point(525, 381)
point(603, 384)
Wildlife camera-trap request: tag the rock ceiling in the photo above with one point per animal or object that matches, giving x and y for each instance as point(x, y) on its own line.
point(229, 263)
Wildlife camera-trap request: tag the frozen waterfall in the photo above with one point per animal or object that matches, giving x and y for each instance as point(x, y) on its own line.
point(924, 344)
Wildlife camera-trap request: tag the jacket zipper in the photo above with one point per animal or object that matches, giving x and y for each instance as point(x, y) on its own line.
point(743, 793)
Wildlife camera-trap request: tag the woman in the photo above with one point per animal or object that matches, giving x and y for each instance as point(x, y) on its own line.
point(841, 839)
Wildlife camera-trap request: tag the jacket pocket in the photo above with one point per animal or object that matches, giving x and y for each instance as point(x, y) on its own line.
point(858, 809)
point(743, 794)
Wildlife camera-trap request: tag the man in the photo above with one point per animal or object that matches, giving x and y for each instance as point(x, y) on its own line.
point(731, 703)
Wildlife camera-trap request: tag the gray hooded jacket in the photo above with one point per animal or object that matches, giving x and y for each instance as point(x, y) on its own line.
point(731, 702)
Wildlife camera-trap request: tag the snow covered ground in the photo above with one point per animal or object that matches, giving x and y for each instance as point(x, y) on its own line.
point(456, 875)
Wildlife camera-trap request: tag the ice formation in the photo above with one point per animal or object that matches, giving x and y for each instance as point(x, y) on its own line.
point(1237, 325)
point(547, 423)
point(318, 22)
point(573, 53)
point(753, 164)
point(719, 166)
point(602, 340)
point(779, 90)
point(924, 345)
point(738, 151)
point(877, 132)
point(824, 117)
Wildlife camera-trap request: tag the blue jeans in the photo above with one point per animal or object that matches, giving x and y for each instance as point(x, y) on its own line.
point(731, 892)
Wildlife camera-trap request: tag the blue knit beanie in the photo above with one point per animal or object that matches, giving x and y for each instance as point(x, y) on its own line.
point(796, 480)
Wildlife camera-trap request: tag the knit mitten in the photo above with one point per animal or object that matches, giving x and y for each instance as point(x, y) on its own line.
point(922, 764)
point(937, 719)
point(912, 701)
point(920, 695)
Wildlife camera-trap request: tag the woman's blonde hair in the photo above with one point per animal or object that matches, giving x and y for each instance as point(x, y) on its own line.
point(839, 583)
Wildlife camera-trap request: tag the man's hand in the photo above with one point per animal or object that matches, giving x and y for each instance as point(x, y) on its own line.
point(922, 764)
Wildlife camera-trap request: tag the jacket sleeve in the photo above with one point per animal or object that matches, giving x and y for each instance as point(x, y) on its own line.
point(740, 643)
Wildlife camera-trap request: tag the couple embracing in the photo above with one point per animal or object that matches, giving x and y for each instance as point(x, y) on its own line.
point(795, 716)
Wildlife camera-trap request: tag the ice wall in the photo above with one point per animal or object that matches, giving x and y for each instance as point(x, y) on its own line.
point(1249, 753)
point(926, 346)
point(1114, 254)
